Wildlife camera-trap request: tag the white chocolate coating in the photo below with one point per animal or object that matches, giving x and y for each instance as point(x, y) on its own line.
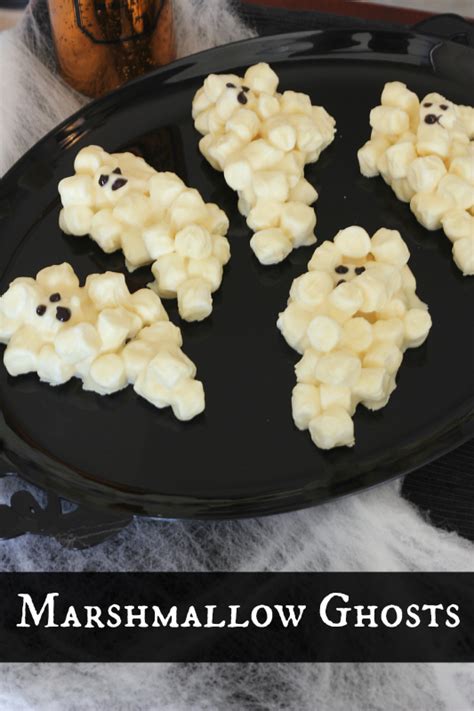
point(261, 140)
point(425, 151)
point(351, 316)
point(99, 333)
point(123, 203)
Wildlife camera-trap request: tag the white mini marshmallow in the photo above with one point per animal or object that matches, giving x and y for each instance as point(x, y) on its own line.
point(463, 167)
point(417, 326)
point(265, 213)
point(298, 221)
point(194, 299)
point(326, 257)
point(383, 354)
point(463, 254)
point(353, 242)
point(21, 354)
point(399, 158)
point(371, 384)
point(305, 403)
point(78, 343)
point(311, 289)
point(261, 78)
point(338, 368)
point(395, 93)
point(293, 322)
point(107, 374)
point(347, 298)
point(388, 246)
point(271, 246)
point(303, 192)
point(324, 333)
point(370, 154)
point(51, 367)
point(430, 208)
point(374, 293)
point(402, 189)
point(425, 173)
point(389, 120)
point(107, 290)
point(332, 428)
point(305, 369)
point(357, 335)
point(188, 400)
point(335, 396)
point(459, 191)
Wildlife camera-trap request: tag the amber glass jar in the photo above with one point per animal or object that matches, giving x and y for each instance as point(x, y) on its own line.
point(101, 44)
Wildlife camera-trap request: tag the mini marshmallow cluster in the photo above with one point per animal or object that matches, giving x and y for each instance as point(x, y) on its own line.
point(351, 316)
point(99, 333)
point(123, 203)
point(424, 151)
point(262, 140)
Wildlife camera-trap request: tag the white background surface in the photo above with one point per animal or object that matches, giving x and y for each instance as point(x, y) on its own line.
point(376, 530)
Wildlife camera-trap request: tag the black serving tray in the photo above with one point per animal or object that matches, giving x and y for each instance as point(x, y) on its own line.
point(243, 457)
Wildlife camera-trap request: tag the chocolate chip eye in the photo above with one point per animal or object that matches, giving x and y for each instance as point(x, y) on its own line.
point(245, 88)
point(431, 118)
point(359, 270)
point(229, 85)
point(117, 171)
point(428, 104)
point(341, 269)
point(103, 180)
point(41, 310)
point(63, 313)
point(119, 183)
point(443, 107)
point(241, 98)
point(55, 297)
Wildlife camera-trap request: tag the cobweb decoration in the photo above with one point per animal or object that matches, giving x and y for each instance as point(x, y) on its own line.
point(376, 530)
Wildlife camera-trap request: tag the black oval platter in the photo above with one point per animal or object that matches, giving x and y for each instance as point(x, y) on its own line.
point(243, 456)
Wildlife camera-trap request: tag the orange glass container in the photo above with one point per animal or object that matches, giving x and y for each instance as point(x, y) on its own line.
point(101, 44)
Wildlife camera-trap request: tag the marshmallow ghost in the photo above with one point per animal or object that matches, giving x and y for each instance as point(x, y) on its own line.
point(351, 316)
point(425, 152)
point(123, 203)
point(262, 140)
point(99, 333)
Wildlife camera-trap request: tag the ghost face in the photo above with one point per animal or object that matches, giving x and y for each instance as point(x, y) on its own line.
point(242, 92)
point(118, 175)
point(348, 270)
point(231, 95)
point(28, 304)
point(110, 185)
point(46, 304)
point(435, 110)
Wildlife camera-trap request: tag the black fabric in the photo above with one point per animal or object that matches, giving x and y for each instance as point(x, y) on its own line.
point(444, 489)
point(268, 21)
